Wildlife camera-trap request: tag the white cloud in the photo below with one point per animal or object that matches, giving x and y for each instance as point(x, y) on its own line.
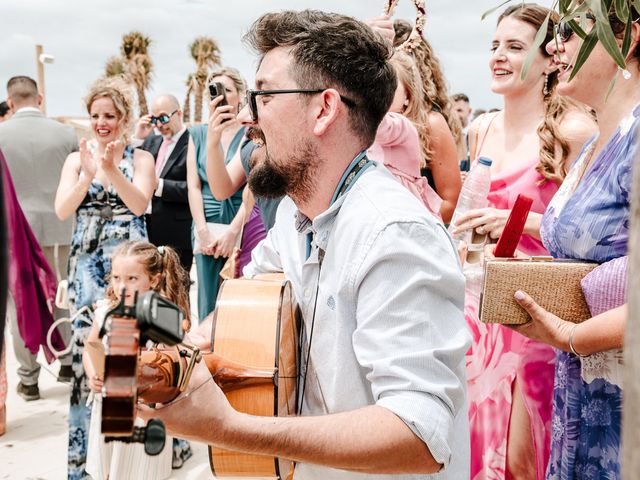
point(82, 34)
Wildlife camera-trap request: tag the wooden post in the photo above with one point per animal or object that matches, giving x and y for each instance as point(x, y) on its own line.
point(40, 66)
point(631, 399)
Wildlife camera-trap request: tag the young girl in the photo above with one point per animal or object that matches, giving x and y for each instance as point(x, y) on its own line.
point(135, 267)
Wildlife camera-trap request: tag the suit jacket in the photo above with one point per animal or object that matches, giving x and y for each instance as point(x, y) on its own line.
point(170, 219)
point(35, 148)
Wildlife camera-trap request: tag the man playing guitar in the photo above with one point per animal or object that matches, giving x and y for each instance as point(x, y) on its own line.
point(375, 275)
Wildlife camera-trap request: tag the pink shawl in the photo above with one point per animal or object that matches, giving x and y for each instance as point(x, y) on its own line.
point(32, 283)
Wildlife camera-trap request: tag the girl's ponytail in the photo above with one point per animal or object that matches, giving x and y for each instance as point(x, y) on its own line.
point(162, 262)
point(174, 281)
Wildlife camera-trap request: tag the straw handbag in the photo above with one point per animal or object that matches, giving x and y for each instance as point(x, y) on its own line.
point(554, 284)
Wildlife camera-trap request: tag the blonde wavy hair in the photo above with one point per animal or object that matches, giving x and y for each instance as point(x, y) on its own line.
point(416, 108)
point(434, 85)
point(119, 91)
point(163, 262)
point(554, 148)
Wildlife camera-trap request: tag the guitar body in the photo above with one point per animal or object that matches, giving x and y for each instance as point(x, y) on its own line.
point(256, 325)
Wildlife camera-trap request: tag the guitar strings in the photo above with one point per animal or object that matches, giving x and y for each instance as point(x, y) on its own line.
point(184, 396)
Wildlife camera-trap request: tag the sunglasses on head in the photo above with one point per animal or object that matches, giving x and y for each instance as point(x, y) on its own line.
point(161, 119)
point(565, 30)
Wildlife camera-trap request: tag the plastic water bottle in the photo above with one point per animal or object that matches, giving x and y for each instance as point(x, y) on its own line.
point(472, 196)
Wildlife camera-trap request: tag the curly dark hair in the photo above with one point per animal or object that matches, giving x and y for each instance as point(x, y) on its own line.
point(330, 50)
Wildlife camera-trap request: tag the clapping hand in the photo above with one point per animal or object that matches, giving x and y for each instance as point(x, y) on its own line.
point(112, 156)
point(87, 162)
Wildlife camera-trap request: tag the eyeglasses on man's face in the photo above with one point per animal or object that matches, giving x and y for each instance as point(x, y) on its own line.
point(161, 119)
point(565, 30)
point(253, 104)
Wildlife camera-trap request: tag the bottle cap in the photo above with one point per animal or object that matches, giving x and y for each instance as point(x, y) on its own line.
point(485, 161)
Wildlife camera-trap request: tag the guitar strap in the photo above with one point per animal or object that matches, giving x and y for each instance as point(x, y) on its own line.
point(349, 178)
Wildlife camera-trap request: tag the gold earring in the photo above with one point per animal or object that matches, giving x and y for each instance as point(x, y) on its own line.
point(545, 88)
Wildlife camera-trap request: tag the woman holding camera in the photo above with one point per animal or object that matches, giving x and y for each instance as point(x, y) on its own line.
point(225, 135)
point(107, 185)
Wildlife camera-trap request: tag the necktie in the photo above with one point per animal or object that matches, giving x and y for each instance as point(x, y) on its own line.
point(162, 155)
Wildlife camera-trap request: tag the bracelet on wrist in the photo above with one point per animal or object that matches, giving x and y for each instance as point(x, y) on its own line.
point(571, 347)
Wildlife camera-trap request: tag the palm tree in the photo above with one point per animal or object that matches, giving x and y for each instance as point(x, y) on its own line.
point(135, 55)
point(191, 86)
point(206, 53)
point(114, 67)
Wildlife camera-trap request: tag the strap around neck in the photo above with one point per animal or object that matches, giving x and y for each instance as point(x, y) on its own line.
point(351, 174)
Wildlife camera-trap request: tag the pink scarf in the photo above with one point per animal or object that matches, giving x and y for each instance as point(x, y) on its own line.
point(32, 283)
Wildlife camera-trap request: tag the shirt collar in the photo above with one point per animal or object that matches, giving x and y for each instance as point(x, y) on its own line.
point(323, 223)
point(177, 135)
point(28, 109)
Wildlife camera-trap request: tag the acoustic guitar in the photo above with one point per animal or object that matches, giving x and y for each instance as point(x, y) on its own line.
point(256, 323)
point(253, 358)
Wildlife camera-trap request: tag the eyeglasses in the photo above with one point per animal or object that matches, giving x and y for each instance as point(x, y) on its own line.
point(253, 105)
point(565, 30)
point(161, 119)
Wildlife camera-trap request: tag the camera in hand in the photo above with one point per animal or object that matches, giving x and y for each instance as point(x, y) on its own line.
point(158, 319)
point(215, 90)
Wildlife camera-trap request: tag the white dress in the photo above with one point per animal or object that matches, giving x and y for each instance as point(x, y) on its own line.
point(118, 460)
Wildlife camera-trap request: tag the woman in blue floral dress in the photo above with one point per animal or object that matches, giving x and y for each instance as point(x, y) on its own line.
point(108, 186)
point(588, 219)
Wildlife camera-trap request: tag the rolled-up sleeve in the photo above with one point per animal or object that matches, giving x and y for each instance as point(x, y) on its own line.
point(411, 337)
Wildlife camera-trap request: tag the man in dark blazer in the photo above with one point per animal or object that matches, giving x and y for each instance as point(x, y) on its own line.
point(169, 218)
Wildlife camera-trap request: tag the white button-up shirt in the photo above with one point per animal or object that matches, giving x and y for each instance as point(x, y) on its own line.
point(389, 326)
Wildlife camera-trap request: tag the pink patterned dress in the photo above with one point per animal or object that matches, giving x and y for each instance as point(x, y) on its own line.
point(498, 355)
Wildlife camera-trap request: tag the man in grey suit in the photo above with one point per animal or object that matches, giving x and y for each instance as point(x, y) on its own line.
point(35, 148)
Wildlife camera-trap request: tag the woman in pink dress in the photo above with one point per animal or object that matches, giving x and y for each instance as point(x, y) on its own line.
point(531, 143)
point(397, 146)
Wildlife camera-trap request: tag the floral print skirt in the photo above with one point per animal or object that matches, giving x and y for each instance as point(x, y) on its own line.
point(587, 420)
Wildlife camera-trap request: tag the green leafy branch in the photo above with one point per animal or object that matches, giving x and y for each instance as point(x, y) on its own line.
point(574, 12)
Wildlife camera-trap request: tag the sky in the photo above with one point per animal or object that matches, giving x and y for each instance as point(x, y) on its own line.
point(83, 34)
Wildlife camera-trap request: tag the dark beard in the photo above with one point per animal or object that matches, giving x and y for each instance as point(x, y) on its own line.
point(295, 178)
